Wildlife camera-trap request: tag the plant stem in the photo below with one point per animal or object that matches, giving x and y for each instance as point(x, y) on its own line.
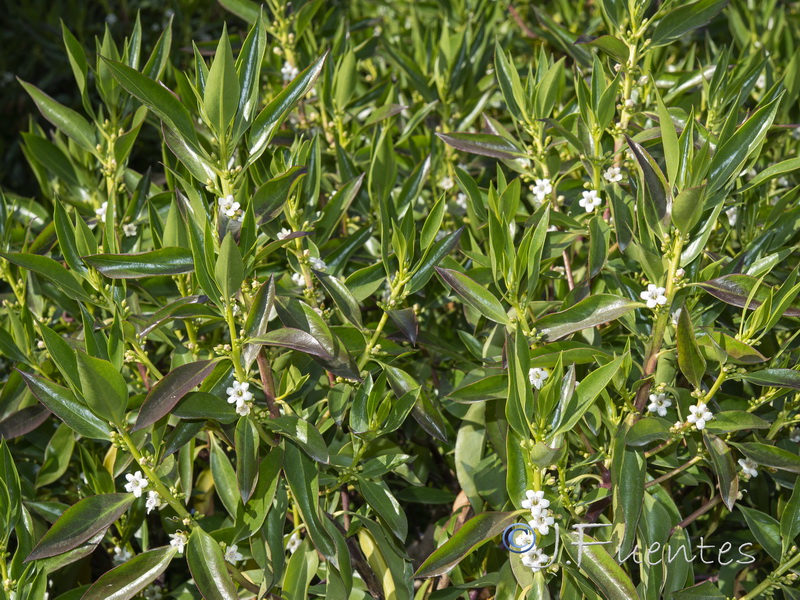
point(659, 327)
point(674, 472)
point(162, 490)
point(698, 513)
point(771, 579)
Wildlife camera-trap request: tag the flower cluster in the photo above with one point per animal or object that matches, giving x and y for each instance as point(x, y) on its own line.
point(229, 207)
point(541, 189)
point(240, 395)
point(542, 516)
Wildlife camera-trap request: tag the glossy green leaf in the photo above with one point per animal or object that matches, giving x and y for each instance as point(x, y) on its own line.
point(590, 312)
point(130, 578)
point(165, 261)
point(475, 295)
point(208, 567)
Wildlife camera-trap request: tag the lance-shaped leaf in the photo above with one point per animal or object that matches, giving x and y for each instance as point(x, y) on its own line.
point(188, 307)
point(81, 522)
point(164, 261)
point(424, 412)
point(477, 296)
point(65, 119)
point(336, 208)
point(654, 180)
point(258, 319)
point(765, 529)
point(488, 388)
point(157, 98)
point(52, 270)
point(770, 456)
point(424, 270)
point(341, 296)
point(713, 342)
point(593, 559)
point(382, 501)
point(103, 387)
point(685, 17)
point(614, 47)
point(208, 567)
point(62, 402)
point(247, 441)
point(777, 378)
point(735, 420)
point(202, 405)
point(406, 321)
point(221, 94)
point(473, 534)
point(131, 577)
point(303, 433)
point(589, 312)
point(724, 468)
point(690, 361)
point(484, 144)
point(23, 421)
point(735, 289)
point(297, 339)
point(267, 122)
point(229, 270)
point(163, 397)
point(269, 199)
point(730, 157)
point(192, 158)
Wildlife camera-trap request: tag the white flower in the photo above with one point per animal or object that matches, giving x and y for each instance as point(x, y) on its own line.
point(535, 559)
point(795, 436)
point(461, 201)
point(733, 214)
point(749, 467)
point(541, 189)
point(298, 279)
point(228, 205)
point(317, 264)
point(659, 403)
point(700, 415)
point(294, 543)
point(101, 212)
point(129, 229)
point(153, 592)
point(136, 483)
point(446, 183)
point(153, 500)
point(590, 200)
point(121, 555)
point(288, 71)
point(232, 554)
point(535, 502)
point(178, 540)
point(243, 408)
point(654, 296)
point(283, 233)
point(238, 392)
point(524, 540)
point(542, 521)
point(537, 376)
point(613, 174)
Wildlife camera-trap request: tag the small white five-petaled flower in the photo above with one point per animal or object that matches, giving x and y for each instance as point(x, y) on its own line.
point(317, 263)
point(541, 522)
point(590, 200)
point(298, 279)
point(541, 189)
point(232, 554)
point(240, 395)
point(749, 467)
point(129, 229)
point(654, 296)
point(288, 71)
point(294, 543)
point(700, 415)
point(446, 183)
point(101, 212)
point(535, 502)
point(122, 555)
point(537, 376)
point(178, 540)
point(613, 174)
point(659, 403)
point(283, 233)
point(153, 500)
point(535, 559)
point(136, 483)
point(228, 206)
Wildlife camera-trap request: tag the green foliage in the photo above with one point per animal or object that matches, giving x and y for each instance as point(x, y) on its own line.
point(323, 306)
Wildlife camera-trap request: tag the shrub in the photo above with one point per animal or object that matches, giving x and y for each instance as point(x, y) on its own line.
point(405, 298)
